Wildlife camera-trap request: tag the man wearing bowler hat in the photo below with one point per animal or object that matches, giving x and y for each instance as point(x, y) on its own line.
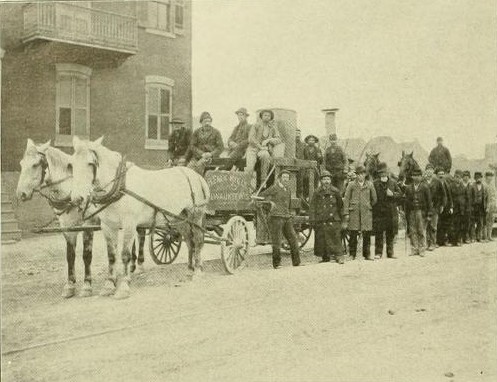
point(359, 199)
point(385, 214)
point(263, 137)
point(326, 216)
point(491, 204)
point(179, 140)
point(335, 161)
point(468, 213)
point(439, 202)
point(479, 198)
point(238, 141)
point(281, 221)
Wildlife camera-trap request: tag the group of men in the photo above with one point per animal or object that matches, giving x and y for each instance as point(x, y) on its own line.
point(260, 141)
point(441, 210)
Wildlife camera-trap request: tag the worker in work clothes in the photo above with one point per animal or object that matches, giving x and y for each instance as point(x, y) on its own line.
point(335, 162)
point(418, 212)
point(326, 216)
point(238, 140)
point(280, 219)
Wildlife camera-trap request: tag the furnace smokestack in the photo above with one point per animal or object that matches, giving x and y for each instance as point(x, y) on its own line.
point(329, 121)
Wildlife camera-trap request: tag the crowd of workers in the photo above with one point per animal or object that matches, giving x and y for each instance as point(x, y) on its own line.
point(441, 209)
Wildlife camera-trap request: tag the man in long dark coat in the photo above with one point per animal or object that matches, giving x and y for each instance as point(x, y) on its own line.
point(468, 213)
point(440, 156)
point(458, 192)
point(385, 214)
point(479, 198)
point(444, 226)
point(326, 216)
point(439, 201)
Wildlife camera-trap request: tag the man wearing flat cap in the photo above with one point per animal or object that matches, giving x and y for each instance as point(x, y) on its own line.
point(263, 138)
point(385, 214)
point(179, 140)
point(440, 156)
point(418, 211)
point(280, 218)
point(206, 144)
point(479, 198)
point(326, 216)
point(360, 197)
point(491, 204)
point(335, 162)
point(238, 140)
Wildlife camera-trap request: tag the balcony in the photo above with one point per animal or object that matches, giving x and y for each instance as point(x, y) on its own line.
point(79, 25)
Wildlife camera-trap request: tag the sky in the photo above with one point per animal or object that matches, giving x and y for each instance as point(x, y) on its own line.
point(411, 69)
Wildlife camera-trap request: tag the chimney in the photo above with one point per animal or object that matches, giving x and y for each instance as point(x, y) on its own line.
point(329, 121)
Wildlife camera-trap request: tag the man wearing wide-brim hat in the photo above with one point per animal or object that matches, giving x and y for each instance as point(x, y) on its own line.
point(179, 140)
point(327, 217)
point(385, 214)
point(263, 138)
point(312, 152)
point(238, 140)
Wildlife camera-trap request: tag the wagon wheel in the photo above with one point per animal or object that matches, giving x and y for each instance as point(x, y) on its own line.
point(165, 243)
point(304, 230)
point(235, 247)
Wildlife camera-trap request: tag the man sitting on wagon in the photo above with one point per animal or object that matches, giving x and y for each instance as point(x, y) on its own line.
point(206, 143)
point(263, 138)
point(238, 141)
point(179, 141)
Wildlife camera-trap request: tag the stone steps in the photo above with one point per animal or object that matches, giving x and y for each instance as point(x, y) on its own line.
point(10, 227)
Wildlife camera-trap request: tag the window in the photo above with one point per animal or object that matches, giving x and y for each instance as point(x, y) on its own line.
point(159, 97)
point(159, 15)
point(179, 8)
point(72, 103)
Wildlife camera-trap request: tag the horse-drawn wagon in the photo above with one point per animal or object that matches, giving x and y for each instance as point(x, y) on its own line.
point(230, 209)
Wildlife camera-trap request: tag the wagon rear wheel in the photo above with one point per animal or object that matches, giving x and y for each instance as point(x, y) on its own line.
point(235, 247)
point(303, 231)
point(165, 244)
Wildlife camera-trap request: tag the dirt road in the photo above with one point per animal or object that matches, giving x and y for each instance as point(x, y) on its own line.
point(410, 319)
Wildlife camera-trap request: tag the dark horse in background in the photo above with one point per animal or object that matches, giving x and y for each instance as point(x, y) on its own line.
point(407, 164)
point(371, 164)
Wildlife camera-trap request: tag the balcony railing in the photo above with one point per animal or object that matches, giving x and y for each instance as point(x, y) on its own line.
point(71, 23)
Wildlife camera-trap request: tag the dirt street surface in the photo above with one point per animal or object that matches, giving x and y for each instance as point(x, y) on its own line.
point(410, 319)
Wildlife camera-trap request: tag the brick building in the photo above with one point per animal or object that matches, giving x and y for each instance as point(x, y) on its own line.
point(116, 68)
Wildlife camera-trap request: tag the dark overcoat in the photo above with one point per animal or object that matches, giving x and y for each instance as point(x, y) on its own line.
point(326, 215)
point(385, 213)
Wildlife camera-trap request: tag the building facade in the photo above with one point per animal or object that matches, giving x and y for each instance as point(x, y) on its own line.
point(121, 69)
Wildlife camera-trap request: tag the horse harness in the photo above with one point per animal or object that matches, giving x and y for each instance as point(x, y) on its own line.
point(59, 205)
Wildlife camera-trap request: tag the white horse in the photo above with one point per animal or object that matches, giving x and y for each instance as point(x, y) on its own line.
point(178, 190)
point(46, 167)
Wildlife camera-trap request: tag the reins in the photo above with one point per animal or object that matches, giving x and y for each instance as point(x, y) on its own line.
point(60, 206)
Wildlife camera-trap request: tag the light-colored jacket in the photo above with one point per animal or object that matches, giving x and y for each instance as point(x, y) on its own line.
point(256, 135)
point(358, 204)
